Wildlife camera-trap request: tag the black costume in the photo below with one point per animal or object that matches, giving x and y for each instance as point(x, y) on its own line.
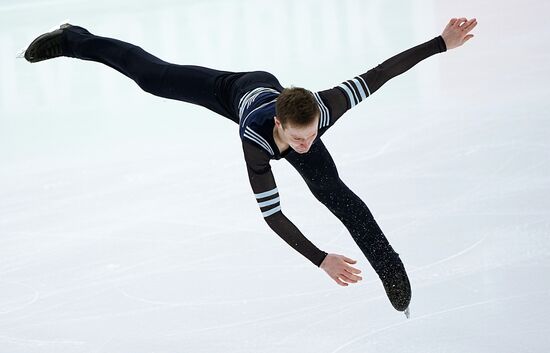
point(248, 99)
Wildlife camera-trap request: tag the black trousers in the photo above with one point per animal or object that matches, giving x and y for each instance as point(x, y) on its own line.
point(220, 91)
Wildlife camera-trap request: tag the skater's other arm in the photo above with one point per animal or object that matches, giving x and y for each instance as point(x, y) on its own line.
point(338, 100)
point(338, 267)
point(267, 195)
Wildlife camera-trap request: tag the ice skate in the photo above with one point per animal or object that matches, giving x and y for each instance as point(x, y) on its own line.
point(47, 46)
point(397, 285)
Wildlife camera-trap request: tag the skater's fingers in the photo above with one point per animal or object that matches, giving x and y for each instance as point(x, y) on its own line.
point(451, 23)
point(467, 38)
point(460, 21)
point(340, 282)
point(469, 25)
point(353, 272)
point(347, 278)
point(348, 260)
point(352, 276)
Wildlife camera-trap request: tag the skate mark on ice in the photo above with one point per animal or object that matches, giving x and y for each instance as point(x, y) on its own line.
point(330, 313)
point(361, 157)
point(104, 285)
point(35, 296)
point(38, 343)
point(437, 313)
point(450, 257)
point(226, 302)
point(271, 318)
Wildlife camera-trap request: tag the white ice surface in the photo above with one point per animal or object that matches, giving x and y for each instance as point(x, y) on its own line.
point(127, 223)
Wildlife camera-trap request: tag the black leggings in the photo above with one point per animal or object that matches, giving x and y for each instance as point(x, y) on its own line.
point(321, 176)
point(220, 92)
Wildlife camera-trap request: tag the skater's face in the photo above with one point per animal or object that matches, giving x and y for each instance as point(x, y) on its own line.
point(300, 138)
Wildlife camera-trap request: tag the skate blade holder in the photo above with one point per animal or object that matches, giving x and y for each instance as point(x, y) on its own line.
point(407, 312)
point(21, 53)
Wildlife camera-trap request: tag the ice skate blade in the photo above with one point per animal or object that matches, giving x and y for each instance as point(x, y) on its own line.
point(21, 54)
point(407, 313)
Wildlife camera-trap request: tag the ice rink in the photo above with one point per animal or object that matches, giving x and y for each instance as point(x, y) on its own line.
point(127, 222)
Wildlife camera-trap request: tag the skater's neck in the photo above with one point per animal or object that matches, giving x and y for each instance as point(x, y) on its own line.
point(281, 145)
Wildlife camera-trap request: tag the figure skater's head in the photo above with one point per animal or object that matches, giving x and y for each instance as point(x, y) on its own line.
point(297, 118)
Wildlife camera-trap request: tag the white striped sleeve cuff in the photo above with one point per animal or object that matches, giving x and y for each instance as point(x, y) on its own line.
point(269, 202)
point(356, 90)
point(324, 120)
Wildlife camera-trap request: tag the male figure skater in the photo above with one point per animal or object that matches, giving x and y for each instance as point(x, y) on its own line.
point(275, 123)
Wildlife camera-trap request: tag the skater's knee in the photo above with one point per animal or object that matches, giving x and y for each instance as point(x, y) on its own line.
point(327, 183)
point(150, 78)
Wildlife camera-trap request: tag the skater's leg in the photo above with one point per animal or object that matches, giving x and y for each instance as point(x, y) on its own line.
point(321, 176)
point(188, 83)
point(219, 91)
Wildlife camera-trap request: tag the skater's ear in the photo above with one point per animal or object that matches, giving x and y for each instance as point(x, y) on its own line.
point(278, 123)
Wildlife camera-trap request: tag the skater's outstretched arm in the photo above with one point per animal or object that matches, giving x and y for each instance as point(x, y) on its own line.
point(267, 195)
point(336, 101)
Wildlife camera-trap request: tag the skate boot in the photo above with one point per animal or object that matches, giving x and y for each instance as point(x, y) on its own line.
point(397, 286)
point(47, 46)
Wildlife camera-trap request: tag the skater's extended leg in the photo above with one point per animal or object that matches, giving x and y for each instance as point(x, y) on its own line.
point(188, 83)
point(319, 172)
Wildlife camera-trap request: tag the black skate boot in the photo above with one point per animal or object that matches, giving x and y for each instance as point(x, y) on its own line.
point(397, 285)
point(47, 46)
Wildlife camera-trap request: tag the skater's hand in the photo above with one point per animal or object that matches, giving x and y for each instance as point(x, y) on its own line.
point(338, 268)
point(456, 32)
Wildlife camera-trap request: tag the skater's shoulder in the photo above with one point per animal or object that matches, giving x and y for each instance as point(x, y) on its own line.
point(256, 155)
point(257, 128)
point(257, 119)
point(259, 133)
